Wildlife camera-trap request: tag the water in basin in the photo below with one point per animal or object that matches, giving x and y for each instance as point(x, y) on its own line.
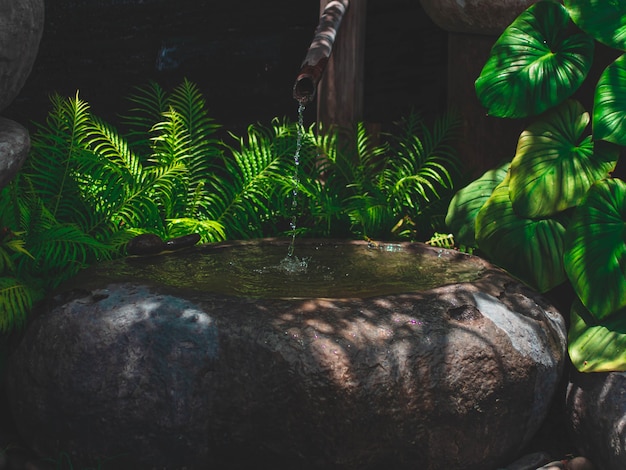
point(321, 269)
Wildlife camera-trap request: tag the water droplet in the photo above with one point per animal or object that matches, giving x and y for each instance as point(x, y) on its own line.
point(295, 178)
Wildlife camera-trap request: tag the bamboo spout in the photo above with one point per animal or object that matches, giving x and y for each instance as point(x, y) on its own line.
point(319, 51)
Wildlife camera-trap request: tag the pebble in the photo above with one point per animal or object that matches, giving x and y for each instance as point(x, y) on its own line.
point(145, 244)
point(151, 244)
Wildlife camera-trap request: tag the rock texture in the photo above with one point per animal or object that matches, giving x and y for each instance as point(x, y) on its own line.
point(596, 405)
point(134, 371)
point(14, 148)
point(21, 27)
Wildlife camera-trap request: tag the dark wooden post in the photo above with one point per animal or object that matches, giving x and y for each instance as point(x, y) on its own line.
point(340, 93)
point(485, 141)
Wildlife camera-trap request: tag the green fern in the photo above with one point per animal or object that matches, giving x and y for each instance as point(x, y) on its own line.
point(88, 187)
point(394, 189)
point(421, 171)
point(245, 197)
point(16, 297)
point(182, 132)
point(16, 301)
point(56, 148)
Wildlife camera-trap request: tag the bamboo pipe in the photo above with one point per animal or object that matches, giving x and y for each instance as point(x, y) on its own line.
point(314, 63)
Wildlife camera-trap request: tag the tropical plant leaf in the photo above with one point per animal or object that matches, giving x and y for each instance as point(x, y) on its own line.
point(189, 103)
point(62, 248)
point(596, 346)
point(531, 250)
point(595, 248)
point(255, 168)
point(15, 303)
point(605, 20)
point(209, 230)
point(149, 103)
point(535, 64)
point(442, 240)
point(397, 186)
point(462, 211)
point(609, 112)
point(421, 165)
point(56, 149)
point(555, 165)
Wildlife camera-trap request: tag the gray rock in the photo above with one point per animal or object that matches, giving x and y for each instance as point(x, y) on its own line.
point(14, 148)
point(596, 405)
point(131, 369)
point(21, 27)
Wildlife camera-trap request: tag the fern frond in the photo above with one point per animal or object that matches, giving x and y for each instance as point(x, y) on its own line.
point(15, 244)
point(56, 148)
point(442, 240)
point(149, 103)
point(422, 170)
point(105, 140)
point(240, 199)
point(172, 141)
point(210, 231)
point(187, 100)
point(16, 301)
point(6, 261)
point(62, 248)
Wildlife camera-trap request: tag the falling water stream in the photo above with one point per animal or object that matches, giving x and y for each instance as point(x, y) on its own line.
point(291, 263)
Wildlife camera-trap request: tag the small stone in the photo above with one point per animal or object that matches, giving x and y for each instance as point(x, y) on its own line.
point(182, 242)
point(145, 244)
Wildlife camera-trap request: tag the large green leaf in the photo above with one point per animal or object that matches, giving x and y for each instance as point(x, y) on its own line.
point(609, 112)
point(461, 216)
point(554, 165)
point(531, 250)
point(535, 64)
point(605, 20)
point(595, 248)
point(597, 346)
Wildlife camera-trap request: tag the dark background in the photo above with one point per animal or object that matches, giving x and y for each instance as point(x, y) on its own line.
point(244, 56)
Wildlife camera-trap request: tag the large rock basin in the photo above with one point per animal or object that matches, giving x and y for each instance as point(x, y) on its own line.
point(206, 358)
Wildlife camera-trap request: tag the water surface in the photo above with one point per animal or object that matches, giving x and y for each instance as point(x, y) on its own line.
point(317, 269)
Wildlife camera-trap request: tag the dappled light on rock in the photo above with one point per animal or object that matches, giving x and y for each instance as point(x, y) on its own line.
point(134, 365)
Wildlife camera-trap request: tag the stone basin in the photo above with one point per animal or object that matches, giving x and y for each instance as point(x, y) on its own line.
point(348, 355)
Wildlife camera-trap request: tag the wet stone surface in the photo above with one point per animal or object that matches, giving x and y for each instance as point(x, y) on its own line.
point(458, 376)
